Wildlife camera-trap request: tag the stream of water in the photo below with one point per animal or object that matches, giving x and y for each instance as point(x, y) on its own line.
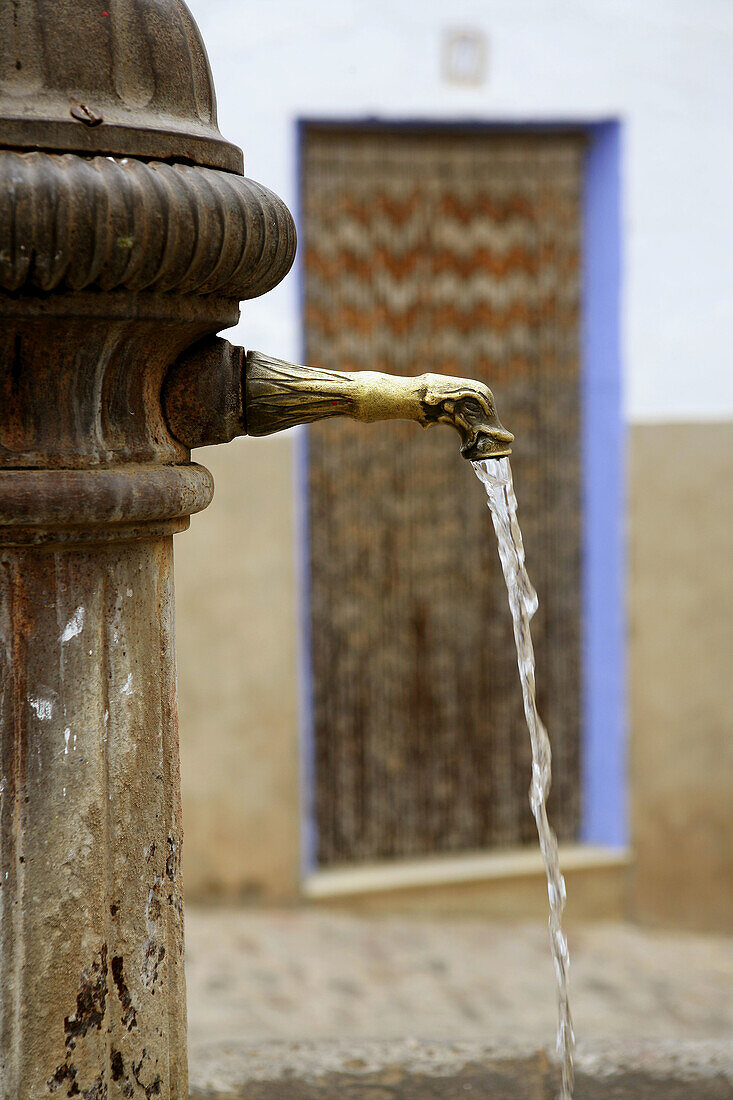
point(496, 475)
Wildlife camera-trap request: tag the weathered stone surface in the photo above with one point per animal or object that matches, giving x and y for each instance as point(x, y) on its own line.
point(91, 913)
point(429, 1071)
point(672, 1071)
point(380, 1071)
point(681, 631)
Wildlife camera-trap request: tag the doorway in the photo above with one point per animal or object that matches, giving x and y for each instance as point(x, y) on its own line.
point(452, 250)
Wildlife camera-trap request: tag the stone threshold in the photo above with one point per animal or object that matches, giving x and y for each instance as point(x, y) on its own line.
point(410, 1070)
point(404, 874)
point(506, 883)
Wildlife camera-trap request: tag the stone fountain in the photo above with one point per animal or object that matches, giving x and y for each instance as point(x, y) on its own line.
point(128, 237)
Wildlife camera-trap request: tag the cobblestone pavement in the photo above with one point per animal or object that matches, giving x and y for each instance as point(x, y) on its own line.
point(311, 975)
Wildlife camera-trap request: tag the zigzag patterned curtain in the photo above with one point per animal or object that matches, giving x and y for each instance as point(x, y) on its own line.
point(458, 252)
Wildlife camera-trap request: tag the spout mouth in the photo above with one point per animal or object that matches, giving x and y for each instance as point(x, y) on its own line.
point(469, 407)
point(490, 443)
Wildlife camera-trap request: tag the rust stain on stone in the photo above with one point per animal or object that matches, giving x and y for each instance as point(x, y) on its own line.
point(91, 1003)
point(64, 1073)
point(129, 1015)
point(153, 956)
point(21, 627)
point(172, 865)
point(153, 949)
point(118, 1066)
point(91, 1000)
point(171, 859)
point(154, 1088)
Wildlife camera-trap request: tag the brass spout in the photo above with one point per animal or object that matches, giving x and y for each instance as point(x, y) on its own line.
point(280, 395)
point(217, 391)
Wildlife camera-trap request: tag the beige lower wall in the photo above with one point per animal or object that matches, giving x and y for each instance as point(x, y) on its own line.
point(237, 629)
point(681, 672)
point(236, 640)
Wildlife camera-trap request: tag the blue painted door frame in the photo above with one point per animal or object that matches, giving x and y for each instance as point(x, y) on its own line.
point(604, 817)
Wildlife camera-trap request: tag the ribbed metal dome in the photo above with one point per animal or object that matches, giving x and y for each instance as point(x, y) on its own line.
point(122, 77)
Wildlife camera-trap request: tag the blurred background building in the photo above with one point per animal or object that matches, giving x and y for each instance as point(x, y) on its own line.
point(536, 194)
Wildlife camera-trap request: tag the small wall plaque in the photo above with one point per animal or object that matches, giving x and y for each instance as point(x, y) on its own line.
point(465, 56)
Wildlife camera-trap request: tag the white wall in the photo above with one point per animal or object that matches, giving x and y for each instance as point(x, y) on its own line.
point(664, 66)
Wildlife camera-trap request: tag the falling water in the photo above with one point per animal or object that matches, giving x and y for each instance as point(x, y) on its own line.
point(496, 474)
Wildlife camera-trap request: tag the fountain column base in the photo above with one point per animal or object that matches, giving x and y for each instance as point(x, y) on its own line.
point(92, 992)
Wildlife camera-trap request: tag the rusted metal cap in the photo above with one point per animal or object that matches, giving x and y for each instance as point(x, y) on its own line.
point(116, 77)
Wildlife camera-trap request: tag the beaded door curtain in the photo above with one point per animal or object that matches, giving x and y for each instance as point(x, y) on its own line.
point(454, 251)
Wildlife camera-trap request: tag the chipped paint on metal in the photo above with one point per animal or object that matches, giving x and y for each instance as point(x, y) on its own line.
point(74, 626)
point(43, 705)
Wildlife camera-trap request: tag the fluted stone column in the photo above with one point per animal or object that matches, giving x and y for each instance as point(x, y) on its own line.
point(92, 920)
